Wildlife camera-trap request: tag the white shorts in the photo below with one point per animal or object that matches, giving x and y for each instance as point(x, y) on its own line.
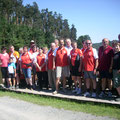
point(62, 71)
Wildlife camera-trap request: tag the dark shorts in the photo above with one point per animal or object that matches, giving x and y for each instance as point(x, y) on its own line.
point(11, 75)
point(4, 71)
point(106, 74)
point(75, 71)
point(116, 79)
point(89, 74)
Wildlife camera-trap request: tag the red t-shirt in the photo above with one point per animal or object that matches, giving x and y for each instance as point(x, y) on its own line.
point(73, 55)
point(61, 57)
point(82, 49)
point(89, 57)
point(41, 61)
point(105, 57)
point(26, 59)
point(50, 60)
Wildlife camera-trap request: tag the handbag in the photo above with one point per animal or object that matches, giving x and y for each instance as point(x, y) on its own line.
point(77, 60)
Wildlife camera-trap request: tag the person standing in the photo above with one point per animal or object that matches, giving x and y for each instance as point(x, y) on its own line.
point(11, 73)
point(51, 70)
point(4, 60)
point(15, 55)
point(69, 48)
point(105, 54)
point(26, 66)
point(90, 62)
point(76, 57)
point(40, 68)
point(62, 66)
point(116, 68)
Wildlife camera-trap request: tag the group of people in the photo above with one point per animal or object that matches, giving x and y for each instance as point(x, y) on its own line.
point(64, 64)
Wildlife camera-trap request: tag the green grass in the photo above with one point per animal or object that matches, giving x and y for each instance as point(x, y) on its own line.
point(98, 110)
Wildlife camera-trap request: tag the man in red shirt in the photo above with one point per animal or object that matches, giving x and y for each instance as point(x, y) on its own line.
point(90, 62)
point(51, 71)
point(84, 46)
point(62, 66)
point(75, 57)
point(105, 66)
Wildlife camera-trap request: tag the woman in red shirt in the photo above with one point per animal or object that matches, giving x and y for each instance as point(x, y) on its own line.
point(26, 65)
point(40, 67)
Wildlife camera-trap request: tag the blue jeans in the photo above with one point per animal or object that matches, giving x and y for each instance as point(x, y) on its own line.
point(27, 72)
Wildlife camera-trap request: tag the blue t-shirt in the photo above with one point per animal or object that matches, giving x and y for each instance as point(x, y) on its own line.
point(11, 67)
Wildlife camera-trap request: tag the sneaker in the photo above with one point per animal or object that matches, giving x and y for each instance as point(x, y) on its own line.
point(17, 86)
point(102, 94)
point(117, 99)
point(13, 87)
point(31, 87)
point(79, 91)
point(10, 87)
point(55, 92)
point(87, 94)
point(64, 90)
point(93, 95)
point(109, 94)
point(74, 91)
point(34, 86)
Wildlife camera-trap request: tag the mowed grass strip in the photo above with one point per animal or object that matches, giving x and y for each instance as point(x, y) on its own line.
point(98, 110)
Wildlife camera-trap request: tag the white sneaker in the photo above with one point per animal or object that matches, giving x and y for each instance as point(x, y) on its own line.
point(55, 92)
point(93, 95)
point(74, 91)
point(79, 91)
point(87, 94)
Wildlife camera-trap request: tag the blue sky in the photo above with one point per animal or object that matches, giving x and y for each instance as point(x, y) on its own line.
point(97, 18)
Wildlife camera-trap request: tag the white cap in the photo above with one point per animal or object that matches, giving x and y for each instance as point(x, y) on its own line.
point(32, 41)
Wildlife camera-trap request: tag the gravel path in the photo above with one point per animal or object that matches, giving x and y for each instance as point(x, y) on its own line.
point(13, 109)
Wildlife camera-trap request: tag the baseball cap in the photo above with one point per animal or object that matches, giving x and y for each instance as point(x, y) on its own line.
point(32, 41)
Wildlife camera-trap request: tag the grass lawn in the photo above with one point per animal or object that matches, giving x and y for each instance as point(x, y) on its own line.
point(98, 110)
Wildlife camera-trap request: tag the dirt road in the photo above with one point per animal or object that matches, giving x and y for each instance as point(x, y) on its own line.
point(13, 109)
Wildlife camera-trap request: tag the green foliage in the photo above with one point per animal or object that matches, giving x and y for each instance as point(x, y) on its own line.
point(82, 38)
point(20, 24)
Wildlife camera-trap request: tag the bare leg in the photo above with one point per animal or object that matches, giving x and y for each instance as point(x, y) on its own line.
point(118, 90)
point(88, 83)
point(103, 83)
point(57, 83)
point(64, 82)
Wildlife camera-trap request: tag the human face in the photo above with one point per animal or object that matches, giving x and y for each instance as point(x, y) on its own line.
point(53, 46)
point(117, 48)
point(68, 42)
point(84, 45)
point(88, 44)
point(34, 49)
point(40, 51)
point(12, 49)
point(3, 51)
point(45, 50)
point(11, 60)
point(25, 49)
point(61, 43)
point(56, 43)
point(105, 43)
point(74, 45)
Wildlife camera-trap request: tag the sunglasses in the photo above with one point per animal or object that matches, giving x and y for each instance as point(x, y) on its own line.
point(88, 43)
